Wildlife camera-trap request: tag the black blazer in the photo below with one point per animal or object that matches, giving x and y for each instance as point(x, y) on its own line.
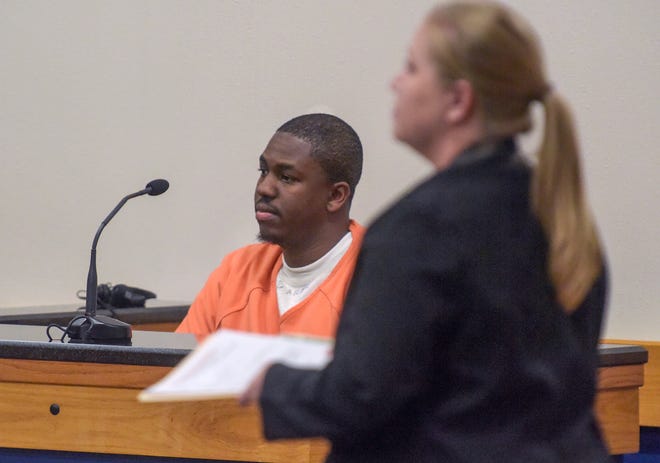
point(451, 346)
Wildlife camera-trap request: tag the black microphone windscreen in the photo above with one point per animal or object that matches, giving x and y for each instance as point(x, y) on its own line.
point(157, 187)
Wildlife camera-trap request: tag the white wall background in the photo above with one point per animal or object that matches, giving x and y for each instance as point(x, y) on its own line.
point(99, 97)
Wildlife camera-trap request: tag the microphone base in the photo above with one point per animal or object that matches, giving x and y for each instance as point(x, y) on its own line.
point(99, 329)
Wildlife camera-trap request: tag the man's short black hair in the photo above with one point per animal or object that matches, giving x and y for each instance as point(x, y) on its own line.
point(335, 145)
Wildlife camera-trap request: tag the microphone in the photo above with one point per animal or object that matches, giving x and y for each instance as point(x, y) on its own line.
point(157, 187)
point(100, 329)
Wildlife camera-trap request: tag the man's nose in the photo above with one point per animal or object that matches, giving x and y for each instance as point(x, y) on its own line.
point(266, 186)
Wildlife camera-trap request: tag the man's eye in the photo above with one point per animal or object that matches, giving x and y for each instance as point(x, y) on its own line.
point(262, 171)
point(286, 178)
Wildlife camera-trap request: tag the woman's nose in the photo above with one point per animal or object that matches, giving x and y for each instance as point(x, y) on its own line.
point(394, 83)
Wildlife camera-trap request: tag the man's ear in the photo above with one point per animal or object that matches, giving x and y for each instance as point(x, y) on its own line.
point(339, 195)
point(463, 101)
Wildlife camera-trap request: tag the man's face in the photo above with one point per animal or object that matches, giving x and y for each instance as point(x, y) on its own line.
point(291, 194)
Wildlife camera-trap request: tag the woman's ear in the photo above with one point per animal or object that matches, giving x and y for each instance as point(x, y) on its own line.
point(340, 193)
point(462, 103)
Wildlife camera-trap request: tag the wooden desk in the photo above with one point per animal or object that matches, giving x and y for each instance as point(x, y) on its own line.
point(156, 316)
point(620, 376)
point(56, 396)
point(94, 388)
point(649, 394)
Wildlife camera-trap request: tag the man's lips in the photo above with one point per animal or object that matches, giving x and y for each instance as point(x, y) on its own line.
point(263, 212)
point(263, 216)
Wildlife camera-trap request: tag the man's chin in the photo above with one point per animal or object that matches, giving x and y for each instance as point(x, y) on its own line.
point(265, 238)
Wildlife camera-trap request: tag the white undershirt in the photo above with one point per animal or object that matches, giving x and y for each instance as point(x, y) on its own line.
point(295, 284)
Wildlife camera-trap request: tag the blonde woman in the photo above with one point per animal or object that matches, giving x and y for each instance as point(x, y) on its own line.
point(471, 326)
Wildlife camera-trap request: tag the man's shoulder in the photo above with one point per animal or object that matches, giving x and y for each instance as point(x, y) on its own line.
point(253, 254)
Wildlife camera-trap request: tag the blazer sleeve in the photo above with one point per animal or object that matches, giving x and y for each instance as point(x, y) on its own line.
point(398, 306)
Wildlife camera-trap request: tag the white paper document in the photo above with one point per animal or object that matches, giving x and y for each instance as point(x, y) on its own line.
point(227, 361)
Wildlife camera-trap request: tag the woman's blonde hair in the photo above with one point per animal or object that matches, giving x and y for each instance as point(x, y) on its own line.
point(490, 46)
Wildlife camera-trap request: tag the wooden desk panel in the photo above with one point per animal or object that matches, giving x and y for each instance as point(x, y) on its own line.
point(96, 386)
point(80, 373)
point(166, 327)
point(617, 406)
point(109, 420)
point(99, 413)
point(649, 394)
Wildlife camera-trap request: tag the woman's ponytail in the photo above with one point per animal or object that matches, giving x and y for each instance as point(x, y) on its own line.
point(558, 200)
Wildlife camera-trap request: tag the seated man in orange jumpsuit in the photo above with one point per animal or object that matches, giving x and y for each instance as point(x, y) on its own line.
point(296, 279)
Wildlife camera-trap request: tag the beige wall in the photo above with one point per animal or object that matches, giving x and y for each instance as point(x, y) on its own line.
point(99, 97)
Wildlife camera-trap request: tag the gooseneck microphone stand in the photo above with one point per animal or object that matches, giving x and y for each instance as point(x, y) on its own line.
point(91, 328)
